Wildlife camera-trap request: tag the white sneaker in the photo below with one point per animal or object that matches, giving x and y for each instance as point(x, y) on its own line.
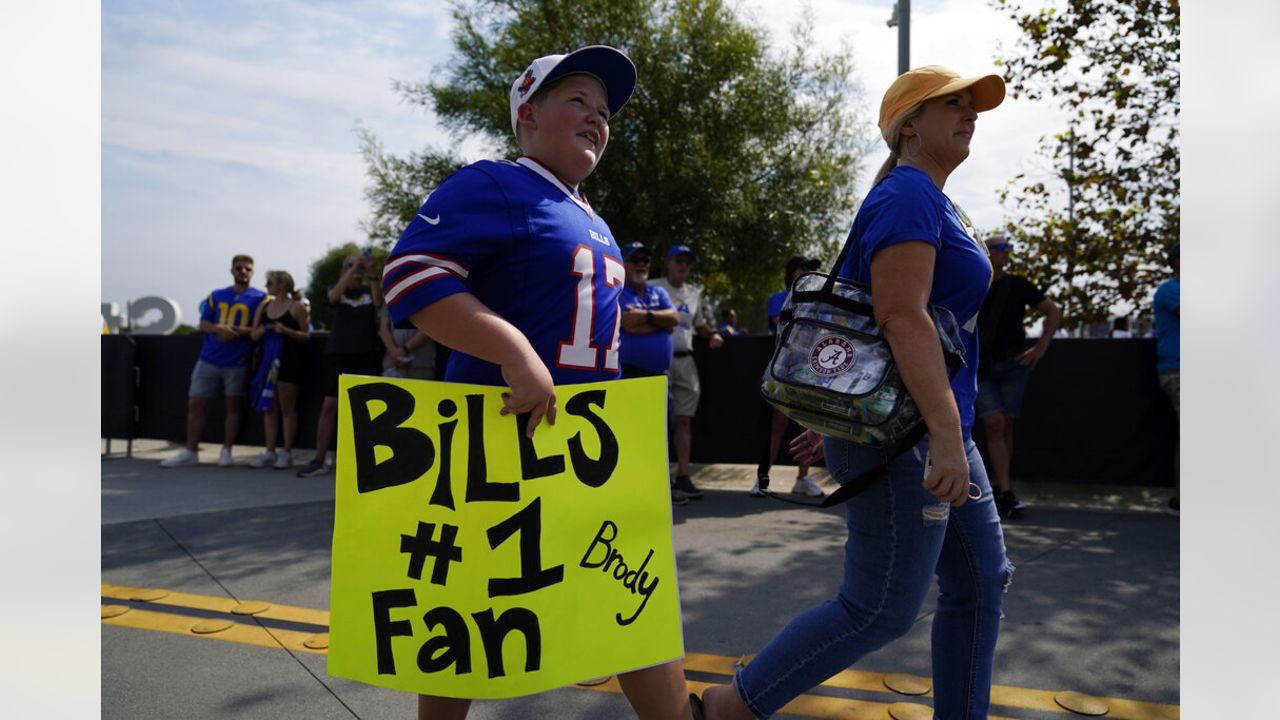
point(184, 457)
point(225, 459)
point(284, 460)
point(805, 486)
point(267, 457)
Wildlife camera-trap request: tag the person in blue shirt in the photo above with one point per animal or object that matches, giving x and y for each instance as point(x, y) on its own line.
point(930, 508)
point(509, 265)
point(778, 421)
point(1167, 305)
point(729, 323)
point(648, 317)
point(226, 319)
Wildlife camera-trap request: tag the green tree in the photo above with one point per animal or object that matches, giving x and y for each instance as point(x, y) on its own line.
point(746, 153)
point(325, 273)
point(1115, 65)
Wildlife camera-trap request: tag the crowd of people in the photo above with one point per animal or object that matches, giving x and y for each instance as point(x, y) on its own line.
point(455, 283)
point(254, 353)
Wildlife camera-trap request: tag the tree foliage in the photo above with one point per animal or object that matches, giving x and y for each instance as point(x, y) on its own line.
point(745, 153)
point(1115, 65)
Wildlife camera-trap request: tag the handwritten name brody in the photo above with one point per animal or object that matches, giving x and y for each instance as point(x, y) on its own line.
point(637, 581)
point(413, 454)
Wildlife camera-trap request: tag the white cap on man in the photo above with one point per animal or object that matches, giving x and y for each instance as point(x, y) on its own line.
point(609, 65)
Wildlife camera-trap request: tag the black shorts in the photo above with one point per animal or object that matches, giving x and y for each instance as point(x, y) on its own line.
point(335, 364)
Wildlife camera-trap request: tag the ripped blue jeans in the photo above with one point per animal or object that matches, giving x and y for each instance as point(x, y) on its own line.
point(899, 536)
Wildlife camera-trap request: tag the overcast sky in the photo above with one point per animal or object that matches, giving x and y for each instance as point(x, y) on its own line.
point(231, 126)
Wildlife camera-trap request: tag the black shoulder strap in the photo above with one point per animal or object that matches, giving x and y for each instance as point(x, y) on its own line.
point(864, 480)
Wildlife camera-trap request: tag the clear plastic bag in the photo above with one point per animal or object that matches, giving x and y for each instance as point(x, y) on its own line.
point(832, 370)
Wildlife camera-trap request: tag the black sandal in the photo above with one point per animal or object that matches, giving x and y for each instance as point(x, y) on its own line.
point(695, 703)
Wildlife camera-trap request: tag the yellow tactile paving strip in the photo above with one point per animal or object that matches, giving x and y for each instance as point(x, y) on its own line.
point(242, 629)
point(287, 613)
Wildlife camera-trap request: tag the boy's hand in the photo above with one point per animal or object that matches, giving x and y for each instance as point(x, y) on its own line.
point(532, 391)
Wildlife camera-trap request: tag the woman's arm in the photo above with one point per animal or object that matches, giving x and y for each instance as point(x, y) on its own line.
point(901, 277)
point(301, 313)
point(258, 328)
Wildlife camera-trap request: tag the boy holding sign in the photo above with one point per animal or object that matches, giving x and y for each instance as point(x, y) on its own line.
point(508, 264)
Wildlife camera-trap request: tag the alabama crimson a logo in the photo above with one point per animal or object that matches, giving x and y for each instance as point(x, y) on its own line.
point(831, 356)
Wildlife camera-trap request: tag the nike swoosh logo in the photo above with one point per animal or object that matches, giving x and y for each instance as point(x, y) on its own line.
point(432, 221)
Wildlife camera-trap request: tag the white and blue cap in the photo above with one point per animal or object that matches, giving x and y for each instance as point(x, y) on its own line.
point(609, 65)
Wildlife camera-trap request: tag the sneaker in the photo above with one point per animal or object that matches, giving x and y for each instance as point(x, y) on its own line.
point(1008, 506)
point(284, 460)
point(686, 486)
point(678, 498)
point(762, 484)
point(805, 486)
point(184, 457)
point(267, 457)
point(225, 459)
point(314, 468)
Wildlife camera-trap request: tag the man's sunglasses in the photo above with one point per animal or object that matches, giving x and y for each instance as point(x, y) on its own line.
point(1001, 247)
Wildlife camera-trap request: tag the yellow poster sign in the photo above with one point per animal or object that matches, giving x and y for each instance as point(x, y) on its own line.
point(471, 561)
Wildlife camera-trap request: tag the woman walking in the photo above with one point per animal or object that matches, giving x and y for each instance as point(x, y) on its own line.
point(914, 247)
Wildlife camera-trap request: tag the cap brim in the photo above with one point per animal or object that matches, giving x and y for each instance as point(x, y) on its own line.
point(613, 69)
point(987, 90)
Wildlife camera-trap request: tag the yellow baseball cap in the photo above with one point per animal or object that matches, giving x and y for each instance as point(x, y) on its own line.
point(931, 81)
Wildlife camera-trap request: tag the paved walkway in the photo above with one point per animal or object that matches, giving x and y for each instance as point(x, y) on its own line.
point(1093, 608)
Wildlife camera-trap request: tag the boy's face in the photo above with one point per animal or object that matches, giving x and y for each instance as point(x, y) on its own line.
point(570, 129)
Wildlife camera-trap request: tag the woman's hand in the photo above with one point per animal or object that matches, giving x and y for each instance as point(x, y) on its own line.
point(948, 477)
point(532, 390)
point(807, 448)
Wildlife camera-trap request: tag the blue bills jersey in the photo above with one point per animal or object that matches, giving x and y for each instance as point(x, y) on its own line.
point(529, 248)
point(651, 351)
point(228, 307)
point(906, 206)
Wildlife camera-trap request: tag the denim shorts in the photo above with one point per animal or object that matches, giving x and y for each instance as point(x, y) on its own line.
point(207, 378)
point(1002, 389)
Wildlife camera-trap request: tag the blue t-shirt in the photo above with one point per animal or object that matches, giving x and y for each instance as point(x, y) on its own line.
point(907, 206)
point(651, 351)
point(226, 306)
point(1168, 333)
point(773, 309)
point(531, 250)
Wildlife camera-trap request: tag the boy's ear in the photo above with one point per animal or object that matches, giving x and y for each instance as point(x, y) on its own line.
point(526, 114)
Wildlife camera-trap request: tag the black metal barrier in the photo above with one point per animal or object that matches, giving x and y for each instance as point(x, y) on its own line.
point(119, 388)
point(1093, 411)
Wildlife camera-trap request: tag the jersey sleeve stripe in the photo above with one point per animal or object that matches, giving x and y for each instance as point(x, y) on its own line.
point(414, 279)
point(425, 259)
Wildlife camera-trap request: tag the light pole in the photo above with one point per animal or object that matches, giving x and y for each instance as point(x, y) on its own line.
point(901, 19)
